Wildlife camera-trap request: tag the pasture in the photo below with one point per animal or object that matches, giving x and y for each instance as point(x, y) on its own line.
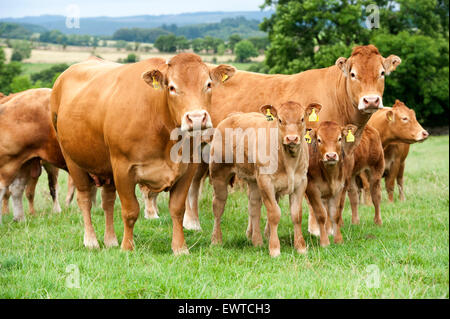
point(408, 257)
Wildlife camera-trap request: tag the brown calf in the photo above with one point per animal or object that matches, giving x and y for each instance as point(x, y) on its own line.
point(330, 164)
point(266, 182)
point(398, 128)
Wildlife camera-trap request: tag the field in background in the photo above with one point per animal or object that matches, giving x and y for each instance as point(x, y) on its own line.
point(409, 254)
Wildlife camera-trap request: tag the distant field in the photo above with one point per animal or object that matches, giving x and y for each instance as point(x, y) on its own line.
point(407, 257)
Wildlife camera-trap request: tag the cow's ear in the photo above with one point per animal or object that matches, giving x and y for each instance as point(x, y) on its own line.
point(268, 110)
point(313, 106)
point(154, 78)
point(391, 63)
point(349, 132)
point(341, 63)
point(390, 116)
point(222, 73)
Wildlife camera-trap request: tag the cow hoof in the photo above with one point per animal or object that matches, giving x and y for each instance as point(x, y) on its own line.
point(191, 224)
point(19, 218)
point(151, 216)
point(314, 231)
point(258, 242)
point(91, 243)
point(248, 233)
point(302, 250)
point(275, 252)
point(378, 222)
point(216, 241)
point(355, 221)
point(57, 209)
point(111, 242)
point(181, 251)
point(325, 243)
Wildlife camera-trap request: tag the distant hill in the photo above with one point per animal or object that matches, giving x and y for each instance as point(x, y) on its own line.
point(108, 25)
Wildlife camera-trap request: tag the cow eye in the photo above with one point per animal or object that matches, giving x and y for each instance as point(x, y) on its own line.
point(382, 73)
point(319, 140)
point(172, 89)
point(303, 119)
point(405, 119)
point(340, 138)
point(209, 85)
point(353, 75)
point(279, 121)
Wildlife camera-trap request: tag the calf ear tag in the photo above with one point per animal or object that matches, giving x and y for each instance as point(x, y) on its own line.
point(269, 115)
point(308, 138)
point(350, 137)
point(313, 117)
point(224, 77)
point(155, 84)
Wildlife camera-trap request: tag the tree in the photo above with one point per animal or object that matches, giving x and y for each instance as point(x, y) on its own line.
point(7, 73)
point(232, 40)
point(166, 43)
point(182, 43)
point(244, 50)
point(21, 83)
point(197, 45)
point(21, 50)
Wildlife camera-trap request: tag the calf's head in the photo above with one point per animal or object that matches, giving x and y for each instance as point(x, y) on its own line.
point(188, 84)
point(365, 71)
point(329, 139)
point(291, 120)
point(403, 125)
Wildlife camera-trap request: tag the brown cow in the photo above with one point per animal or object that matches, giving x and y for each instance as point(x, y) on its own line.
point(398, 128)
point(349, 91)
point(282, 172)
point(114, 124)
point(27, 137)
point(330, 164)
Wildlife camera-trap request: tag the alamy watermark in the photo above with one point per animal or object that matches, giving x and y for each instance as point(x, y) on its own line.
point(73, 276)
point(72, 16)
point(373, 19)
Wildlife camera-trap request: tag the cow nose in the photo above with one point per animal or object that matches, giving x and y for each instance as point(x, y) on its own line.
point(371, 101)
point(332, 156)
point(292, 139)
point(425, 134)
point(196, 120)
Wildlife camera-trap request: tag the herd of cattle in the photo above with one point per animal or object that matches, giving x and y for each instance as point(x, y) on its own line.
point(109, 125)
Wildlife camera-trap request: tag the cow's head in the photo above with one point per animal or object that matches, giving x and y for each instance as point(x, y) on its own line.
point(365, 71)
point(403, 125)
point(291, 120)
point(188, 84)
point(329, 139)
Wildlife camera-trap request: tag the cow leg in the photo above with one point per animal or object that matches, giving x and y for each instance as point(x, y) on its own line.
point(30, 192)
point(17, 189)
point(70, 190)
point(220, 187)
point(353, 197)
point(400, 181)
point(333, 214)
point(366, 188)
point(151, 208)
point(313, 226)
point(52, 173)
point(254, 208)
point(2, 194)
point(375, 192)
point(390, 179)
point(108, 200)
point(320, 214)
point(5, 208)
point(295, 204)
point(267, 228)
point(177, 206)
point(273, 213)
point(191, 220)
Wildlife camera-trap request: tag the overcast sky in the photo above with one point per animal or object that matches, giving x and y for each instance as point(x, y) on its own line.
point(115, 8)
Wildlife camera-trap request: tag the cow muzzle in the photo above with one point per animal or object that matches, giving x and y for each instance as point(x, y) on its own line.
point(370, 103)
point(195, 120)
point(331, 158)
point(422, 136)
point(291, 140)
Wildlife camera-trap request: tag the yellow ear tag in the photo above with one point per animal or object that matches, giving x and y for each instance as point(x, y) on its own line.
point(155, 84)
point(308, 138)
point(350, 137)
point(389, 118)
point(224, 78)
point(269, 115)
point(313, 117)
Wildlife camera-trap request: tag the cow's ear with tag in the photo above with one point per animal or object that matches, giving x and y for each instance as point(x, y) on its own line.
point(312, 112)
point(222, 73)
point(269, 111)
point(349, 132)
point(341, 63)
point(154, 78)
point(390, 116)
point(391, 63)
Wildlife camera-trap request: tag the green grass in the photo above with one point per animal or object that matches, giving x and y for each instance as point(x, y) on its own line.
point(410, 250)
point(30, 68)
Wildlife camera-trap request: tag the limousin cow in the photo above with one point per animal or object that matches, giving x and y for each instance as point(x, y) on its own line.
point(268, 151)
point(349, 91)
point(27, 137)
point(114, 125)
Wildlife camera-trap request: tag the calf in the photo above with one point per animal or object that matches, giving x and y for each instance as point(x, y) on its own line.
point(398, 128)
point(330, 164)
point(286, 127)
point(27, 136)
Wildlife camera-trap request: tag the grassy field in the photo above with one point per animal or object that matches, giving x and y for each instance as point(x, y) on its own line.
point(408, 257)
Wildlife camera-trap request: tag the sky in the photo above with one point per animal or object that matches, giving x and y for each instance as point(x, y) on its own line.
point(116, 8)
